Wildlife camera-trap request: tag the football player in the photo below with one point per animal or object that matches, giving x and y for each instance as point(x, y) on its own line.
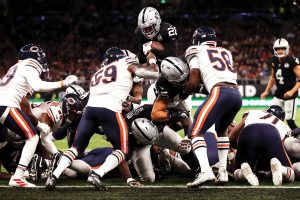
point(23, 78)
point(155, 36)
point(73, 105)
point(214, 66)
point(109, 88)
point(285, 73)
point(259, 138)
point(174, 76)
point(292, 146)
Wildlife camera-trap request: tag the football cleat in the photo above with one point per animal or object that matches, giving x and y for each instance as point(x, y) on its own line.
point(222, 177)
point(249, 175)
point(19, 181)
point(201, 178)
point(276, 171)
point(54, 162)
point(94, 179)
point(51, 183)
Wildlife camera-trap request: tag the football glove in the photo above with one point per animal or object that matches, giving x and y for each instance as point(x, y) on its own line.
point(133, 183)
point(43, 128)
point(71, 79)
point(147, 47)
point(177, 115)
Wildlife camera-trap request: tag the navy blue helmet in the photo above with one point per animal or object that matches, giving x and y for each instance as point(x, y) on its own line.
point(113, 54)
point(204, 36)
point(72, 107)
point(277, 111)
point(35, 52)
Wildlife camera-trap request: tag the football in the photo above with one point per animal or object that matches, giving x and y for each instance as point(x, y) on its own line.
point(157, 46)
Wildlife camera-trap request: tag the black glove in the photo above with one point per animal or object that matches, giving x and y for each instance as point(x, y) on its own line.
point(177, 115)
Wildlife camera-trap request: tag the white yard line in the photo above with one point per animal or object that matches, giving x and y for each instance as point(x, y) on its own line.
point(172, 186)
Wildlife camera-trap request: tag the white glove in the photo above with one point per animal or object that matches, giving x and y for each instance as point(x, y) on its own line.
point(133, 183)
point(71, 79)
point(43, 128)
point(147, 47)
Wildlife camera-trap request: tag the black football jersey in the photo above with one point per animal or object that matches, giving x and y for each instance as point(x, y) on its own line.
point(167, 34)
point(166, 89)
point(284, 75)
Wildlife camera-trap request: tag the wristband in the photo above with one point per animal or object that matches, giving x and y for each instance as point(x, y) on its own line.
point(152, 61)
point(130, 180)
point(61, 84)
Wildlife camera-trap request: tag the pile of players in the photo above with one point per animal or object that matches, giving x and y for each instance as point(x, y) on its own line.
point(144, 135)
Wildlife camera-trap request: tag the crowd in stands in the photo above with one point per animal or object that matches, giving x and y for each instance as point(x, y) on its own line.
point(75, 43)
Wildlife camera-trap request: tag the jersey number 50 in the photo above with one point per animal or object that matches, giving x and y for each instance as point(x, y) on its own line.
point(220, 59)
point(105, 75)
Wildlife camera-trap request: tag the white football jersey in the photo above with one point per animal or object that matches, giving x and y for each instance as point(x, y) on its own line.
point(14, 85)
point(111, 85)
point(53, 110)
point(215, 64)
point(261, 117)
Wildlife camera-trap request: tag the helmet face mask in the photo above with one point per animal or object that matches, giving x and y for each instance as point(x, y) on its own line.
point(283, 44)
point(175, 71)
point(204, 36)
point(276, 111)
point(149, 22)
point(72, 108)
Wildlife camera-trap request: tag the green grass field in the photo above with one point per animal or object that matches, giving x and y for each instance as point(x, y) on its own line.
point(173, 187)
point(97, 140)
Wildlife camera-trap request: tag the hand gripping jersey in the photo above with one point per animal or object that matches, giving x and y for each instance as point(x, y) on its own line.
point(111, 85)
point(261, 117)
point(215, 64)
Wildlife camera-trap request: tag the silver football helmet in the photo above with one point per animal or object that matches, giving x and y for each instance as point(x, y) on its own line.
point(281, 43)
point(149, 22)
point(175, 70)
point(75, 89)
point(144, 131)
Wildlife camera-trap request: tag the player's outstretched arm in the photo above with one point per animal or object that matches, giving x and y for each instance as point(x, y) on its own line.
point(37, 84)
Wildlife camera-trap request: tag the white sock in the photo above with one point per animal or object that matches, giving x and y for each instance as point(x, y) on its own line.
point(223, 148)
point(65, 161)
point(27, 154)
point(81, 167)
point(288, 174)
point(200, 149)
point(112, 161)
point(238, 175)
point(48, 144)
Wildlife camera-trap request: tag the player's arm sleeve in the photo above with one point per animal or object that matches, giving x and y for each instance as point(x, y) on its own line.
point(143, 72)
point(37, 84)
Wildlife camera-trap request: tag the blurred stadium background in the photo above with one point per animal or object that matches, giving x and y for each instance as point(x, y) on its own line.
point(76, 33)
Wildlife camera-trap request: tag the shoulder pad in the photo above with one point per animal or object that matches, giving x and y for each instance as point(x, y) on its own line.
point(191, 52)
point(296, 60)
point(33, 63)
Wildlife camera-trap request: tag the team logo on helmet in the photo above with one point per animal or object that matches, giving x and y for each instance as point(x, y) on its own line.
point(71, 100)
